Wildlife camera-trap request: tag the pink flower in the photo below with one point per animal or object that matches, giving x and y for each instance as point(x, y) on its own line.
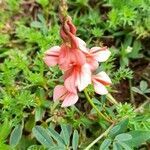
point(99, 81)
point(77, 63)
point(68, 98)
point(77, 77)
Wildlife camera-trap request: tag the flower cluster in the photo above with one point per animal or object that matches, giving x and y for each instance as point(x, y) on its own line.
point(78, 64)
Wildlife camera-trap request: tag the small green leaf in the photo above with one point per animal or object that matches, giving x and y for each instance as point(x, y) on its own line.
point(137, 46)
point(65, 133)
point(125, 146)
point(135, 89)
point(5, 129)
point(41, 18)
point(56, 136)
point(123, 137)
point(143, 85)
point(39, 112)
point(16, 135)
point(105, 144)
point(116, 146)
point(114, 130)
point(75, 140)
point(42, 136)
point(36, 24)
point(119, 128)
point(138, 137)
point(147, 91)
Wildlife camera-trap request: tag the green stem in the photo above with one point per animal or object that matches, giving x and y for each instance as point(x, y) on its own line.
point(100, 137)
point(111, 99)
point(93, 105)
point(140, 108)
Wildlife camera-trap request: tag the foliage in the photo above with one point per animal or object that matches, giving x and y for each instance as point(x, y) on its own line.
point(62, 141)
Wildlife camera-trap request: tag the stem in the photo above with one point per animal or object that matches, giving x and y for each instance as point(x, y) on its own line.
point(143, 105)
point(100, 137)
point(146, 78)
point(111, 99)
point(93, 105)
point(131, 93)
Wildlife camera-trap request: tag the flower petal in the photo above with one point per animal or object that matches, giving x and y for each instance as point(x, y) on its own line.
point(70, 83)
point(100, 54)
point(70, 99)
point(103, 78)
point(53, 50)
point(92, 63)
point(82, 45)
point(51, 56)
point(79, 57)
point(84, 77)
point(50, 61)
point(100, 88)
point(59, 92)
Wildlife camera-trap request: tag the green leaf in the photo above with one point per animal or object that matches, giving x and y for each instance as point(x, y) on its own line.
point(123, 137)
point(125, 146)
point(147, 91)
point(138, 137)
point(114, 130)
point(137, 46)
point(36, 24)
point(42, 136)
point(135, 89)
point(5, 129)
point(39, 112)
point(57, 148)
point(41, 18)
point(116, 146)
point(143, 85)
point(65, 133)
point(119, 128)
point(105, 144)
point(56, 136)
point(75, 140)
point(16, 135)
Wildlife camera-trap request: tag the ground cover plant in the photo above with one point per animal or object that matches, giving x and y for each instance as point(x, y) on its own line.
point(59, 92)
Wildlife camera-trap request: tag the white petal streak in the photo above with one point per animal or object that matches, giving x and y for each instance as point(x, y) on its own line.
point(103, 76)
point(84, 77)
point(100, 88)
point(100, 54)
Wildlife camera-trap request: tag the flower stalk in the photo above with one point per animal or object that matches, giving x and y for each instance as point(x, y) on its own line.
point(111, 99)
point(93, 105)
point(63, 10)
